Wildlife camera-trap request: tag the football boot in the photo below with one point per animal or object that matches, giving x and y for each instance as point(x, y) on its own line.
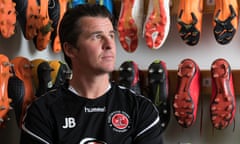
point(56, 10)
point(20, 87)
point(185, 101)
point(158, 90)
point(74, 3)
point(28, 17)
point(223, 101)
point(189, 21)
point(8, 18)
point(44, 29)
point(5, 100)
point(16, 92)
point(107, 3)
point(225, 21)
point(41, 72)
point(157, 24)
point(130, 24)
point(129, 76)
point(59, 74)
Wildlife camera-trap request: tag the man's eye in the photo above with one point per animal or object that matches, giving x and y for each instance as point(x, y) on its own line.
point(112, 35)
point(96, 36)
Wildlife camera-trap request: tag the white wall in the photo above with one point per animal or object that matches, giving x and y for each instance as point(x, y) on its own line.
point(172, 52)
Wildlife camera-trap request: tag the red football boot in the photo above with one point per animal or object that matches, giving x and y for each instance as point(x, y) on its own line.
point(225, 21)
point(223, 101)
point(185, 101)
point(156, 27)
point(129, 24)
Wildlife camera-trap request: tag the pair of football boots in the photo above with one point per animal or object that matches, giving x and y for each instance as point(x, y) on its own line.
point(31, 79)
point(39, 21)
point(186, 99)
point(16, 87)
point(155, 28)
point(157, 89)
point(225, 20)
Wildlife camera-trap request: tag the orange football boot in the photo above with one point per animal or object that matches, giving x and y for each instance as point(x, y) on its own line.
point(156, 27)
point(189, 22)
point(8, 18)
point(32, 19)
point(23, 71)
point(4, 99)
point(225, 21)
point(44, 28)
point(185, 102)
point(129, 23)
point(223, 100)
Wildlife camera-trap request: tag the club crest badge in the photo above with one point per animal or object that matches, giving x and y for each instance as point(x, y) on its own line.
point(119, 121)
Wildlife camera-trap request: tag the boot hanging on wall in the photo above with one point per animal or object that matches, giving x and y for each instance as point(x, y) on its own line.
point(34, 21)
point(157, 23)
point(223, 100)
point(189, 21)
point(130, 24)
point(158, 90)
point(74, 3)
point(129, 76)
point(41, 72)
point(5, 100)
point(185, 101)
point(60, 73)
point(225, 21)
point(8, 18)
point(56, 9)
point(21, 88)
point(44, 27)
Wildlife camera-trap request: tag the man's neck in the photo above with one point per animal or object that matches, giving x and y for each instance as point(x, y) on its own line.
point(90, 88)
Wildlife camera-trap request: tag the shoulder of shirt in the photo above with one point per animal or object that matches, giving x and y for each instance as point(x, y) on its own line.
point(130, 92)
point(51, 96)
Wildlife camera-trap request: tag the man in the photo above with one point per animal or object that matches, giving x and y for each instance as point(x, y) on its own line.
point(89, 108)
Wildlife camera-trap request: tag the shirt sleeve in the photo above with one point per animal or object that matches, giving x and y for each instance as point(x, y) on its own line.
point(36, 128)
point(148, 128)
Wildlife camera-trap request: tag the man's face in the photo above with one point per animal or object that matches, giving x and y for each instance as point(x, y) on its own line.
point(96, 45)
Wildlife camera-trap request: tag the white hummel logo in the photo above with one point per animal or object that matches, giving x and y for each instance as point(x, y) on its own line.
point(69, 123)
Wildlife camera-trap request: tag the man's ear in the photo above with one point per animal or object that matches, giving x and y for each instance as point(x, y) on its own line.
point(68, 49)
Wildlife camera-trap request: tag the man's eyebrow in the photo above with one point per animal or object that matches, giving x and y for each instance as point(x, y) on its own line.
point(98, 32)
point(113, 31)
